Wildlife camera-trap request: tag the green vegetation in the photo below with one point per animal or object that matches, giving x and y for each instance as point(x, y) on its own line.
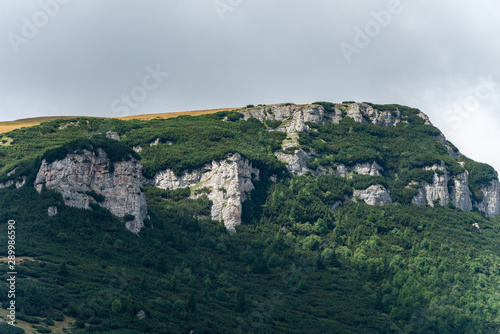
point(295, 265)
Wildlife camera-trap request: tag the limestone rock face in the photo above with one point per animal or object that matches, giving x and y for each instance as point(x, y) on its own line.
point(445, 188)
point(374, 195)
point(296, 162)
point(366, 168)
point(19, 183)
point(364, 113)
point(293, 116)
point(490, 205)
point(227, 180)
point(460, 195)
point(77, 175)
point(438, 190)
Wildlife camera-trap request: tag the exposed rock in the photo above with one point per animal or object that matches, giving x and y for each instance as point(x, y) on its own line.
point(354, 111)
point(296, 162)
point(374, 195)
point(113, 135)
point(366, 168)
point(228, 181)
point(477, 227)
point(65, 126)
point(155, 142)
point(490, 205)
point(336, 205)
point(19, 183)
point(6, 184)
point(425, 118)
point(449, 148)
point(460, 195)
point(293, 116)
point(141, 315)
point(438, 190)
point(137, 148)
point(52, 211)
point(364, 113)
point(77, 175)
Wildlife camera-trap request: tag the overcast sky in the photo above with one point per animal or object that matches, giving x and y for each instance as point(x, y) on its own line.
point(120, 57)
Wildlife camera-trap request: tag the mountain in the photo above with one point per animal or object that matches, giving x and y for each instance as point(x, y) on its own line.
point(348, 217)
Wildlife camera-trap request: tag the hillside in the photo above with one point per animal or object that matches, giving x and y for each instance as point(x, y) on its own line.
point(321, 218)
point(27, 122)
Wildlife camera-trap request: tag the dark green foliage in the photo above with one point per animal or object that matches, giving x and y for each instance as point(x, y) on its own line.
point(329, 107)
point(273, 124)
point(115, 150)
point(128, 217)
point(364, 181)
point(41, 329)
point(97, 197)
point(9, 329)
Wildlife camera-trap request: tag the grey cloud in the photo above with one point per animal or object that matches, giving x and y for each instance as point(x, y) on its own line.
point(91, 52)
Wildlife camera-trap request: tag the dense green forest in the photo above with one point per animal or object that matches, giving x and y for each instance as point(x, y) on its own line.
point(295, 264)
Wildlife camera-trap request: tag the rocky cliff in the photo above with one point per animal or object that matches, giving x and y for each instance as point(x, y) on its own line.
point(374, 195)
point(92, 178)
point(224, 182)
point(293, 120)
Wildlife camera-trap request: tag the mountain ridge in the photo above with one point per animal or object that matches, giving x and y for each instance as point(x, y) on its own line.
point(445, 182)
point(128, 226)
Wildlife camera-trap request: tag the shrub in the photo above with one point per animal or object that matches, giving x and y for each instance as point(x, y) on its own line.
point(273, 124)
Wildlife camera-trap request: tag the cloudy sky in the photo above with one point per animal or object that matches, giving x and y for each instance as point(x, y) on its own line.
point(120, 57)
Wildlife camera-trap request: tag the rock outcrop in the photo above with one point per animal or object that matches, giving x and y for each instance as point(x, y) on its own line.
point(293, 121)
point(455, 189)
point(18, 183)
point(227, 182)
point(374, 195)
point(429, 193)
point(296, 161)
point(461, 195)
point(490, 205)
point(113, 135)
point(373, 169)
point(92, 178)
point(52, 211)
point(293, 116)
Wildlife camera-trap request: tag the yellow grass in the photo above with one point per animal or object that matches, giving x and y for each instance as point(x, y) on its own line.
point(175, 114)
point(18, 259)
point(59, 326)
point(27, 122)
